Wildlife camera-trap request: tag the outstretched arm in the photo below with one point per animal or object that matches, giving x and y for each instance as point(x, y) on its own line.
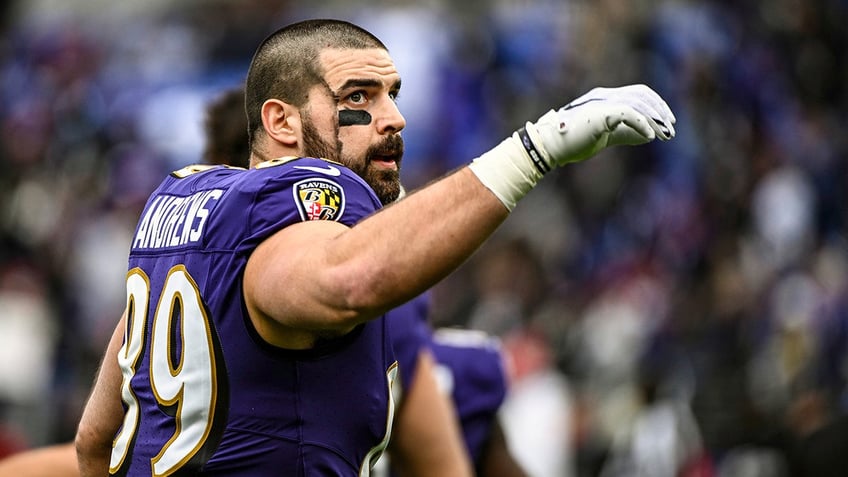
point(357, 273)
point(103, 412)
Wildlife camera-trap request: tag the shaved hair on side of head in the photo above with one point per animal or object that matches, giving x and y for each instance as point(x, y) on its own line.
point(286, 65)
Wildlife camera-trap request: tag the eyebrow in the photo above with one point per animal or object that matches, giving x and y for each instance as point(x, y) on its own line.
point(366, 83)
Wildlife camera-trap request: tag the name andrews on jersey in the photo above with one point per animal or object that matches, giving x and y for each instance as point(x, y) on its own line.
point(172, 221)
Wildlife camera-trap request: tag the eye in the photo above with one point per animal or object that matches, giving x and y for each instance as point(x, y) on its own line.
point(394, 95)
point(357, 97)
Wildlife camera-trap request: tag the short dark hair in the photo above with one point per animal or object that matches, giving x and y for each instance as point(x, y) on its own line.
point(226, 130)
point(286, 67)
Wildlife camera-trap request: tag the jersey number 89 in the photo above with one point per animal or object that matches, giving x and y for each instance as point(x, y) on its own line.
point(183, 375)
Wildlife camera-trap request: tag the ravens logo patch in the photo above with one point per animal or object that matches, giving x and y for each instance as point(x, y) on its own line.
point(319, 199)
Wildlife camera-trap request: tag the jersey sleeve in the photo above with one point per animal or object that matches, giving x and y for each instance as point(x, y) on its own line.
point(410, 334)
point(471, 364)
point(283, 192)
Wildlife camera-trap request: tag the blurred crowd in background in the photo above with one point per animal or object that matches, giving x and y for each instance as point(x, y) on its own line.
point(676, 309)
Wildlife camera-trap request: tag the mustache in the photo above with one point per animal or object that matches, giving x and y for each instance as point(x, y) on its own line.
point(391, 146)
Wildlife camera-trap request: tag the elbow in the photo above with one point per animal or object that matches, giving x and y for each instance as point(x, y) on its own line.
point(91, 449)
point(365, 293)
point(84, 442)
point(329, 297)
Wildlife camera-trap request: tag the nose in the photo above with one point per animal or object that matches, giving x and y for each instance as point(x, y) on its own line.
point(389, 119)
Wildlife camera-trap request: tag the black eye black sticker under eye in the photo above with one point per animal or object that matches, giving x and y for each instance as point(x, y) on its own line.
point(354, 117)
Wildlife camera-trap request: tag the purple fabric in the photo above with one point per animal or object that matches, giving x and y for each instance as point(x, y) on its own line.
point(276, 412)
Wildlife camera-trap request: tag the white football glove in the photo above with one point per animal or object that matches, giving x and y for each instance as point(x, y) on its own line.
point(603, 117)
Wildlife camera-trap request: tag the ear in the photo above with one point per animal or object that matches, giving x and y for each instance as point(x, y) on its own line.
point(281, 122)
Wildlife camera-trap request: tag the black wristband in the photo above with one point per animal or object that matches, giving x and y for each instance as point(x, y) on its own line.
point(540, 163)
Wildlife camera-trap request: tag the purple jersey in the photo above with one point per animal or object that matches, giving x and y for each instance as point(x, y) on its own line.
point(469, 364)
point(410, 333)
point(203, 393)
point(471, 367)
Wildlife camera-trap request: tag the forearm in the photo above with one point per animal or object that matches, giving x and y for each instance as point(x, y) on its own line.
point(411, 245)
point(355, 274)
point(423, 238)
point(103, 413)
point(93, 460)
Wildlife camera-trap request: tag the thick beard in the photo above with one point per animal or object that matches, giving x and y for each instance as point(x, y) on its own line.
point(315, 146)
point(384, 182)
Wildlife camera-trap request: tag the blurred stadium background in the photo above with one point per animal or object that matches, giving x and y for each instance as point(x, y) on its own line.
point(682, 307)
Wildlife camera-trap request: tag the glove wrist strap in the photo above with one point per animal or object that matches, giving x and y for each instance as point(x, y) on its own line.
point(511, 169)
point(532, 152)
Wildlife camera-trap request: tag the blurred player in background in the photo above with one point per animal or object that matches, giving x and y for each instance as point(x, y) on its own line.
point(471, 370)
point(225, 128)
